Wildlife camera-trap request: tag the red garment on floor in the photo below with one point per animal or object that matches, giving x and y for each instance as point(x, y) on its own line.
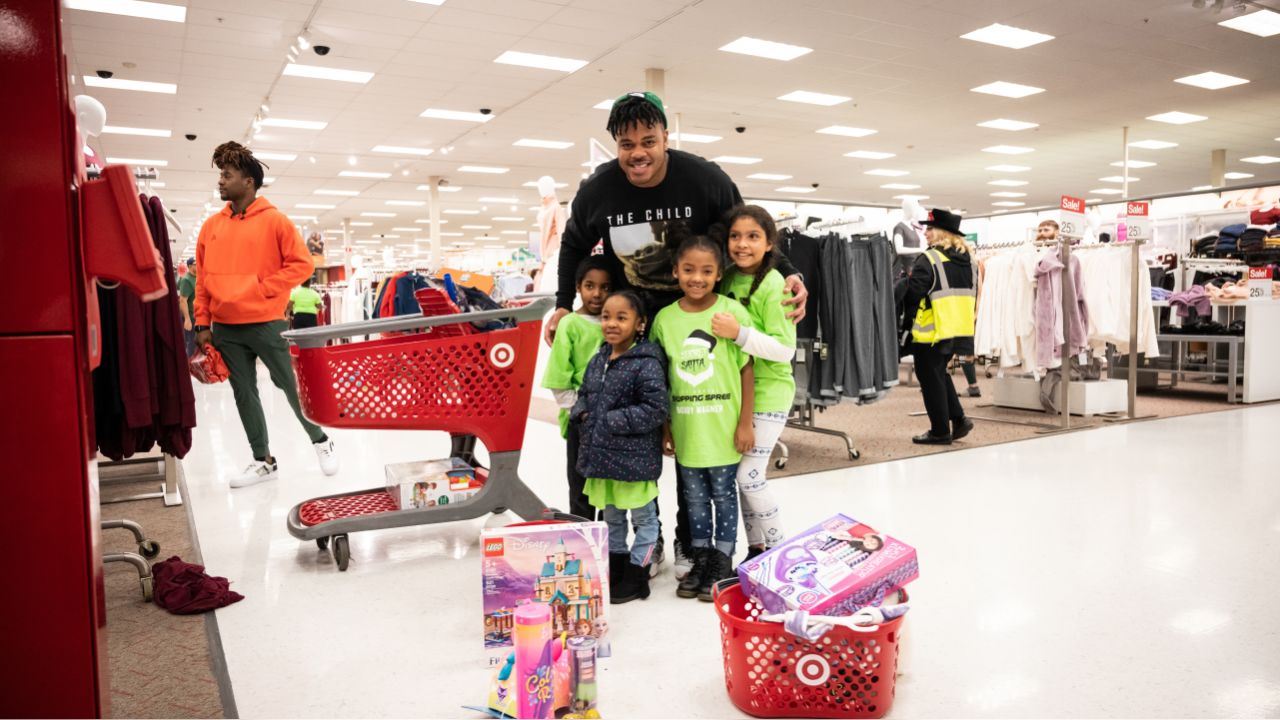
point(183, 588)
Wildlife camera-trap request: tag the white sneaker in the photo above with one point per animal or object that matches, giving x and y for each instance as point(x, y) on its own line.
point(328, 457)
point(257, 471)
point(683, 563)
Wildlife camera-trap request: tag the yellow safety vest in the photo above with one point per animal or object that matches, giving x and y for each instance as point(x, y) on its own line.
point(947, 312)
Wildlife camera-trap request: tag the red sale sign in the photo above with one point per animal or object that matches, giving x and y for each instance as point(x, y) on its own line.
point(1260, 284)
point(1137, 208)
point(1071, 217)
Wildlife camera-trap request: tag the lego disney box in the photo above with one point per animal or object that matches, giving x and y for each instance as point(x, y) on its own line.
point(565, 565)
point(834, 568)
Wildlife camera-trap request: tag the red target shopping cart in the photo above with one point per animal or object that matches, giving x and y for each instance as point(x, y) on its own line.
point(440, 376)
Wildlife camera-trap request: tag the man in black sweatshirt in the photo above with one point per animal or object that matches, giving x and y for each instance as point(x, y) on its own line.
point(624, 207)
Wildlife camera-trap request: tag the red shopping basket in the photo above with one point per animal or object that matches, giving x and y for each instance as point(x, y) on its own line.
point(770, 673)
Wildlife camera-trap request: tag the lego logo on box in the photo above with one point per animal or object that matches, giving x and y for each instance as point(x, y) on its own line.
point(493, 548)
point(1071, 204)
point(1138, 208)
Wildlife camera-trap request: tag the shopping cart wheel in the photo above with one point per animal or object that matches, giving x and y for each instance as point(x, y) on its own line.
point(780, 463)
point(322, 543)
point(149, 549)
point(854, 454)
point(341, 552)
point(146, 589)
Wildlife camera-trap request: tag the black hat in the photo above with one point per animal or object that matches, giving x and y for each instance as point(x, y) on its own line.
point(191, 261)
point(944, 220)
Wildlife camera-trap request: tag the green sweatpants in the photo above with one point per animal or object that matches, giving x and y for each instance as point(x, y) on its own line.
point(240, 346)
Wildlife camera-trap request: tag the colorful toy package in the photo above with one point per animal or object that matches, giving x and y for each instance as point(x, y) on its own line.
point(834, 568)
point(565, 565)
point(428, 483)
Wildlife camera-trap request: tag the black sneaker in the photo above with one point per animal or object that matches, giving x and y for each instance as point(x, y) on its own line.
point(961, 428)
point(692, 582)
point(719, 567)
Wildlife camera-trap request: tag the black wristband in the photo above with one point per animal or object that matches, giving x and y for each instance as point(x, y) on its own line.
point(199, 328)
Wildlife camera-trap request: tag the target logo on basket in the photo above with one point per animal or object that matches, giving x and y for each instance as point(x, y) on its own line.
point(502, 355)
point(494, 547)
point(813, 669)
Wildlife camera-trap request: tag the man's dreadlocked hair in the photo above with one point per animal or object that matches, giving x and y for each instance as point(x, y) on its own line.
point(233, 154)
point(765, 221)
point(634, 111)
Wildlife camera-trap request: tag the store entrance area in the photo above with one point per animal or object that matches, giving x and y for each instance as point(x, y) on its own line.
point(1115, 572)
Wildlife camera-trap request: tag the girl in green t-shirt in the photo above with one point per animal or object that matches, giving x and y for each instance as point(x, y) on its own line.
point(770, 338)
point(576, 340)
point(712, 389)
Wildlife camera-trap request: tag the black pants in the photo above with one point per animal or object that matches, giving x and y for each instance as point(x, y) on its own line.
point(940, 400)
point(578, 503)
point(304, 320)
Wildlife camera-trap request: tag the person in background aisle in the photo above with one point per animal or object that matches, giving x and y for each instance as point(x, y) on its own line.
point(1047, 231)
point(187, 292)
point(576, 343)
point(712, 395)
point(621, 409)
point(625, 205)
point(771, 339)
point(248, 258)
point(940, 316)
point(304, 306)
point(968, 363)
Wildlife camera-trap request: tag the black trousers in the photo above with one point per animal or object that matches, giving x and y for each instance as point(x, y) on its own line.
point(305, 320)
point(578, 503)
point(940, 400)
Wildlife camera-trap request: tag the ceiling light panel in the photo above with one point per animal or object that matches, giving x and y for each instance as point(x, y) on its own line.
point(315, 206)
point(544, 144)
point(484, 169)
point(458, 211)
point(887, 173)
point(534, 184)
point(543, 62)
point(137, 161)
point(899, 186)
point(1007, 36)
point(795, 189)
point(270, 155)
point(407, 203)
point(869, 155)
point(1263, 23)
point(360, 223)
point(378, 214)
point(908, 196)
point(1133, 164)
point(508, 218)
point(1006, 124)
point(131, 8)
point(1008, 183)
point(736, 160)
point(1153, 144)
point(142, 132)
point(339, 193)
point(765, 49)
point(1007, 89)
point(1212, 80)
point(1008, 194)
point(1177, 118)
point(317, 72)
point(814, 98)
point(1008, 150)
point(1237, 175)
point(135, 85)
point(441, 114)
point(1105, 191)
point(1118, 178)
point(295, 124)
point(768, 176)
point(847, 131)
point(402, 150)
point(1008, 168)
point(695, 137)
point(1008, 203)
point(604, 104)
point(364, 174)
point(499, 200)
point(1261, 159)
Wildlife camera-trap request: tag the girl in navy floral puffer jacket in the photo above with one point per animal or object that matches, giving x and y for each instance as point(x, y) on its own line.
point(622, 406)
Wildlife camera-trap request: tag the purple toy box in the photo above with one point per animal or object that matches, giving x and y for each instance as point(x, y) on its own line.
point(834, 568)
point(565, 565)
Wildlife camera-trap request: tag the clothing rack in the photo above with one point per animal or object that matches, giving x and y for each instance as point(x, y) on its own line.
point(123, 471)
point(843, 222)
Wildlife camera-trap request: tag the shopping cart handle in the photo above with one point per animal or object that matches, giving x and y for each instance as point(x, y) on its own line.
point(319, 336)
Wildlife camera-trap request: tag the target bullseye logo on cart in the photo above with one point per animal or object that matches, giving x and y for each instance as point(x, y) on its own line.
point(502, 355)
point(813, 669)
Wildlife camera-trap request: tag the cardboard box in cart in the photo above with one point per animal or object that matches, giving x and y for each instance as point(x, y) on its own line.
point(565, 565)
point(428, 483)
point(834, 568)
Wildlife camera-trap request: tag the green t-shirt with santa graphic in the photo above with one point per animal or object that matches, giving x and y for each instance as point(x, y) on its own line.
point(704, 373)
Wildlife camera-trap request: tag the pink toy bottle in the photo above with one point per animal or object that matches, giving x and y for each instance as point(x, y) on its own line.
point(533, 661)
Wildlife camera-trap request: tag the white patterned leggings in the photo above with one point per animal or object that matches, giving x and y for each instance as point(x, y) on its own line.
point(760, 512)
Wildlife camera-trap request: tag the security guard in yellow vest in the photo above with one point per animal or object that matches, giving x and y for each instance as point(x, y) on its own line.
point(940, 304)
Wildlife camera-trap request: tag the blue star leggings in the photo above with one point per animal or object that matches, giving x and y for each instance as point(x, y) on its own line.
point(703, 489)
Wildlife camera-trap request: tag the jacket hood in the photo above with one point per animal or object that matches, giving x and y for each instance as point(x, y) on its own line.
point(643, 348)
point(259, 205)
point(955, 256)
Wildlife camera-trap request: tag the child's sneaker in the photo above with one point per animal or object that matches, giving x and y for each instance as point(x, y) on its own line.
point(659, 557)
point(257, 471)
point(683, 563)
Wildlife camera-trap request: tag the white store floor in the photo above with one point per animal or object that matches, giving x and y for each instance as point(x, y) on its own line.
point(1129, 571)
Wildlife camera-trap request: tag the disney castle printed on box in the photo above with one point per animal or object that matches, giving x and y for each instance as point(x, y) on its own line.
point(564, 565)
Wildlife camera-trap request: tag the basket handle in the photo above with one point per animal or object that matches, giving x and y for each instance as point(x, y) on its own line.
point(319, 336)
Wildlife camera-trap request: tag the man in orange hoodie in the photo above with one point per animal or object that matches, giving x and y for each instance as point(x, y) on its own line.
point(248, 258)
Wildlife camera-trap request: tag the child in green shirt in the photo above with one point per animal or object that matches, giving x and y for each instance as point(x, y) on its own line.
point(577, 338)
point(712, 391)
point(770, 338)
